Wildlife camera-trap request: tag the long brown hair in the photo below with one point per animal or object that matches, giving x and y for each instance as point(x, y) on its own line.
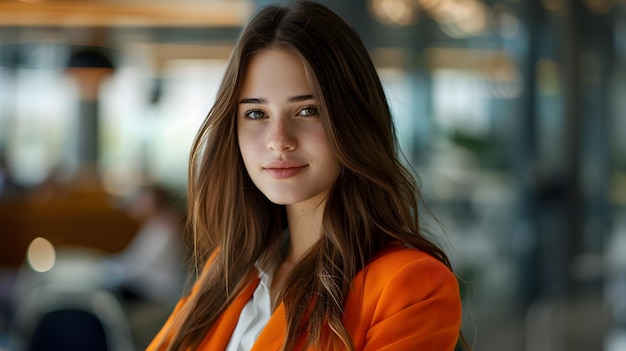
point(374, 201)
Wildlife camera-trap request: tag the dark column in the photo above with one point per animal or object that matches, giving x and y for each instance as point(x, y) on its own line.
point(596, 67)
point(526, 158)
point(89, 65)
point(572, 83)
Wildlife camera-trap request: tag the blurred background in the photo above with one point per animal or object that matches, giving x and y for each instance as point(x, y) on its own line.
point(512, 112)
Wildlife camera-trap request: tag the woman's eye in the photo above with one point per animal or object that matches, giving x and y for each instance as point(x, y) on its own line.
point(255, 114)
point(308, 111)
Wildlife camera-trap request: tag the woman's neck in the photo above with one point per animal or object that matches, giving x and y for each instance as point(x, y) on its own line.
point(305, 223)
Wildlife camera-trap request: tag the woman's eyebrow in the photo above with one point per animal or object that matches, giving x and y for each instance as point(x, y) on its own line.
point(299, 98)
point(253, 101)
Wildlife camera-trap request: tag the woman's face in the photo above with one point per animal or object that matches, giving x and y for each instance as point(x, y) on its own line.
point(281, 138)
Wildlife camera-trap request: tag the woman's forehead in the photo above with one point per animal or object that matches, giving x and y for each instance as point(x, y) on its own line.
point(275, 71)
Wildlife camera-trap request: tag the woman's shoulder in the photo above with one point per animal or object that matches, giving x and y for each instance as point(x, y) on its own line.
point(397, 256)
point(400, 266)
point(405, 297)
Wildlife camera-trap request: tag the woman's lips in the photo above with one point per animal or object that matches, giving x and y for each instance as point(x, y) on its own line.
point(284, 169)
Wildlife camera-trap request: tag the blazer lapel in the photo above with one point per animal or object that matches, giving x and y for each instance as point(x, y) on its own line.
point(219, 335)
point(273, 335)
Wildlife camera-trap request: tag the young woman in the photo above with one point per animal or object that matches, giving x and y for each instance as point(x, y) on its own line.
point(304, 219)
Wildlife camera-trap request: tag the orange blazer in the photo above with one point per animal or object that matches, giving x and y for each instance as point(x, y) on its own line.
point(404, 299)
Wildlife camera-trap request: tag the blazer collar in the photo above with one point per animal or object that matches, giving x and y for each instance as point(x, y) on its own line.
point(272, 337)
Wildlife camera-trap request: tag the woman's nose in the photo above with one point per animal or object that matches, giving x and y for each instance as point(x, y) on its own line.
point(282, 136)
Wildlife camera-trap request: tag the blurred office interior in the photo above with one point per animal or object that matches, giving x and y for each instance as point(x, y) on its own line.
point(512, 112)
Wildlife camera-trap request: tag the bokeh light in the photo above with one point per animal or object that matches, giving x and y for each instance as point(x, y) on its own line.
point(41, 255)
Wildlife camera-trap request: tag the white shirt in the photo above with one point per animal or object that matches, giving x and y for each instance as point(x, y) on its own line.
point(254, 315)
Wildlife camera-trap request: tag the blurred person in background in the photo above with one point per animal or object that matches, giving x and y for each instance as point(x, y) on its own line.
point(148, 275)
point(151, 266)
point(303, 217)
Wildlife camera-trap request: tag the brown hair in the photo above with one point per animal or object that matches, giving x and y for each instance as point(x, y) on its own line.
point(374, 201)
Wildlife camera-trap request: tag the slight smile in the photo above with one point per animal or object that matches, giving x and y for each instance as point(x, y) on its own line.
point(284, 169)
